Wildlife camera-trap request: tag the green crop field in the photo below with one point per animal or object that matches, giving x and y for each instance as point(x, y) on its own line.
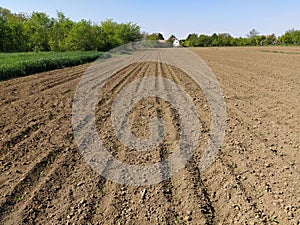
point(22, 64)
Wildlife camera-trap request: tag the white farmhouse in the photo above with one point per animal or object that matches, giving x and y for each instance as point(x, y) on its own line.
point(176, 42)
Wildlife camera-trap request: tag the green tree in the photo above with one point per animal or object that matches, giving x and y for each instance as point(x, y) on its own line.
point(128, 32)
point(37, 28)
point(225, 39)
point(152, 37)
point(296, 37)
point(82, 37)
point(108, 38)
point(11, 31)
point(171, 38)
point(291, 37)
point(112, 34)
point(191, 40)
point(203, 41)
point(287, 37)
point(59, 30)
point(38, 32)
point(268, 40)
point(252, 33)
point(160, 36)
point(155, 37)
point(3, 32)
point(215, 40)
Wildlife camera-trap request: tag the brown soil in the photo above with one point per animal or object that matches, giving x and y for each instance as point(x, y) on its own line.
point(255, 179)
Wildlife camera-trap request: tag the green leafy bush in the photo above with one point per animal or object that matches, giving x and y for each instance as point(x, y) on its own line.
point(22, 64)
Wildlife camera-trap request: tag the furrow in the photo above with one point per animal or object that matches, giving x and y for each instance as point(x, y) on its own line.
point(41, 83)
point(165, 112)
point(195, 191)
point(25, 185)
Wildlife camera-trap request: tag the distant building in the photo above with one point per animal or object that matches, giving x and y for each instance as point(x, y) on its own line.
point(176, 42)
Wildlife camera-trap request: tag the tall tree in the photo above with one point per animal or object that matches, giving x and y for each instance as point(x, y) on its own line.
point(252, 33)
point(191, 40)
point(108, 38)
point(11, 31)
point(59, 31)
point(82, 37)
point(155, 37)
point(171, 38)
point(160, 36)
point(127, 32)
point(37, 29)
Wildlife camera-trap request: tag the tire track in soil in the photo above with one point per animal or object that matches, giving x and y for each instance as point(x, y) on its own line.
point(25, 155)
point(42, 82)
point(31, 179)
point(114, 199)
point(120, 81)
point(167, 186)
point(22, 156)
point(28, 165)
point(191, 173)
point(163, 189)
point(69, 191)
point(123, 202)
point(31, 183)
point(101, 184)
point(117, 197)
point(77, 192)
point(122, 189)
point(34, 120)
point(87, 197)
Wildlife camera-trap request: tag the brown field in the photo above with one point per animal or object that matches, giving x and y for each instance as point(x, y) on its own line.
point(254, 180)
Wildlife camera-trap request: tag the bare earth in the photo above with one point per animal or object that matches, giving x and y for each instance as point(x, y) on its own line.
point(254, 180)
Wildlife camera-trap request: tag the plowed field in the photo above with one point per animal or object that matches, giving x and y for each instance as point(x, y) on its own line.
point(254, 180)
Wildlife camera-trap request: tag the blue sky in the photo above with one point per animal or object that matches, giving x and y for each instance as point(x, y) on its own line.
point(178, 17)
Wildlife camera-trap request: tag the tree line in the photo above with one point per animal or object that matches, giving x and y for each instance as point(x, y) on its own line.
point(21, 32)
point(291, 37)
point(38, 32)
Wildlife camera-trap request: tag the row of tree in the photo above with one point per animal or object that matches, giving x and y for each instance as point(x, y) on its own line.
point(291, 37)
point(158, 37)
point(154, 37)
point(39, 32)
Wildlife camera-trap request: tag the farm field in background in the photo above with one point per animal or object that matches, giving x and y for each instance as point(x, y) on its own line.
point(254, 180)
